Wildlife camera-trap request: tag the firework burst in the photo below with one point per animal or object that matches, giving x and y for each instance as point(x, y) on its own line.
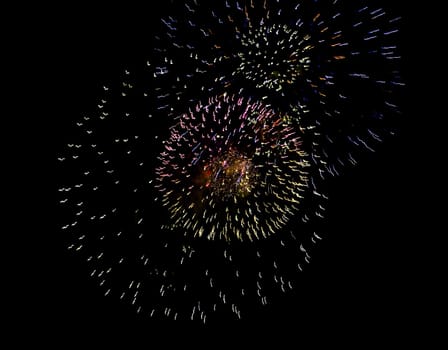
point(336, 59)
point(232, 169)
point(141, 201)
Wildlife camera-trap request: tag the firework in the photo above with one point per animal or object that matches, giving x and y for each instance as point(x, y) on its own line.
point(141, 203)
point(195, 187)
point(338, 60)
point(232, 169)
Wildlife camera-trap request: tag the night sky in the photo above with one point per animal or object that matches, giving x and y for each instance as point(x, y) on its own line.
point(364, 274)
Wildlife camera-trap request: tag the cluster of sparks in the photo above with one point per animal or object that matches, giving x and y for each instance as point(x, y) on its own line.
point(195, 187)
point(273, 67)
point(232, 169)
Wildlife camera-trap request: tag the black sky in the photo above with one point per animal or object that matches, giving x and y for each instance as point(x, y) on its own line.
point(365, 275)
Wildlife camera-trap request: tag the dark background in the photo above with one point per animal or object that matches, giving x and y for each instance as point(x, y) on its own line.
point(367, 277)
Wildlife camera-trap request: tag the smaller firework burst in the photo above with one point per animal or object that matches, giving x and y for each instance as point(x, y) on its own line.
point(273, 56)
point(232, 169)
point(338, 59)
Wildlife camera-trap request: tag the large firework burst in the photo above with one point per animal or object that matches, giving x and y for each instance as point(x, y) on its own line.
point(139, 199)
